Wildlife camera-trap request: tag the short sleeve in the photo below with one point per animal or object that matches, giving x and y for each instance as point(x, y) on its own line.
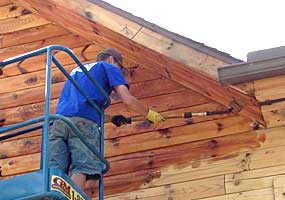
point(115, 76)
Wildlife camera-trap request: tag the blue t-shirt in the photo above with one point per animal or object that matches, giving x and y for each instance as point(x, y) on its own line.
point(73, 104)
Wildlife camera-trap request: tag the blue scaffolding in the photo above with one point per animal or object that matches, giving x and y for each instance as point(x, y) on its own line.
point(48, 183)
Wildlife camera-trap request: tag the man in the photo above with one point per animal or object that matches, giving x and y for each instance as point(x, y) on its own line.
point(66, 151)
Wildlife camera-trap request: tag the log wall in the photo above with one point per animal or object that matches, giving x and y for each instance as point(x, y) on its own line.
point(22, 98)
point(249, 165)
point(210, 158)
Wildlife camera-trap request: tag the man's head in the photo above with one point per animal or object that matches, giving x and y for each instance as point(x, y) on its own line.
point(112, 56)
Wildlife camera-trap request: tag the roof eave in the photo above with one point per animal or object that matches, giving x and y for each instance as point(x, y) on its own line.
point(249, 71)
point(225, 57)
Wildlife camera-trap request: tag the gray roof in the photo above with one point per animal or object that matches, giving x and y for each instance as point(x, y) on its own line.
point(174, 36)
point(261, 64)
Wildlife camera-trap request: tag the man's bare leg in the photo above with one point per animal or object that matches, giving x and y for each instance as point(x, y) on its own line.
point(91, 184)
point(79, 180)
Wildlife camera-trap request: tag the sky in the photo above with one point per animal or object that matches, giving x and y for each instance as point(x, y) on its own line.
point(232, 26)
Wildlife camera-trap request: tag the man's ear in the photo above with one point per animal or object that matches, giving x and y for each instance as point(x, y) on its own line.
point(112, 60)
point(109, 59)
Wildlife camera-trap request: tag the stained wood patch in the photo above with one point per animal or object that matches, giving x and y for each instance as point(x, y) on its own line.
point(151, 158)
point(31, 80)
point(29, 94)
point(39, 63)
point(31, 35)
point(179, 72)
point(143, 126)
point(160, 103)
point(184, 154)
point(86, 53)
point(177, 135)
point(194, 170)
point(68, 40)
point(5, 2)
point(12, 11)
point(139, 127)
point(20, 23)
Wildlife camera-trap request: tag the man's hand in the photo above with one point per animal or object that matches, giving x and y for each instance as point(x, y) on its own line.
point(120, 120)
point(154, 116)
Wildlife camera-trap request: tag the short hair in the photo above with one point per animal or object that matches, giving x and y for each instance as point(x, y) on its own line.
point(102, 57)
point(105, 53)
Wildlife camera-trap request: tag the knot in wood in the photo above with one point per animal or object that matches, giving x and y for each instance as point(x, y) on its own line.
point(31, 81)
point(220, 126)
point(165, 133)
point(115, 141)
point(213, 144)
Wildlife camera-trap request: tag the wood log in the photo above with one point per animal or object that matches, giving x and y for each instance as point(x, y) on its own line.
point(112, 131)
point(274, 114)
point(7, 148)
point(32, 80)
point(148, 141)
point(177, 135)
point(20, 23)
point(266, 89)
point(213, 186)
point(20, 147)
point(67, 40)
point(13, 148)
point(159, 103)
point(19, 165)
point(279, 187)
point(135, 77)
point(262, 194)
point(12, 11)
point(184, 154)
point(5, 2)
point(163, 103)
point(36, 64)
point(271, 156)
point(253, 179)
point(273, 103)
point(279, 181)
point(31, 35)
point(178, 51)
point(86, 53)
point(28, 96)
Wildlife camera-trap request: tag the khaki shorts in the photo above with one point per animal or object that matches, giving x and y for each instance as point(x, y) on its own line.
point(68, 153)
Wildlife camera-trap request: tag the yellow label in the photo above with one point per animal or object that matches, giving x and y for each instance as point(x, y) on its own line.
point(62, 186)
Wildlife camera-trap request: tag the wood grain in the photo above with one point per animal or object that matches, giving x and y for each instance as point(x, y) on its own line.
point(31, 35)
point(189, 77)
point(12, 11)
point(20, 23)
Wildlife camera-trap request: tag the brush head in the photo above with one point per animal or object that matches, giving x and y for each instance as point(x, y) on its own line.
point(237, 105)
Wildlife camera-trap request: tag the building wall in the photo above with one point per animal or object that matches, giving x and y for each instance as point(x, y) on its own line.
point(213, 157)
point(22, 98)
point(256, 171)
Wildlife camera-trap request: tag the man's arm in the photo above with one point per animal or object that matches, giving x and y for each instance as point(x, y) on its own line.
point(130, 101)
point(133, 104)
